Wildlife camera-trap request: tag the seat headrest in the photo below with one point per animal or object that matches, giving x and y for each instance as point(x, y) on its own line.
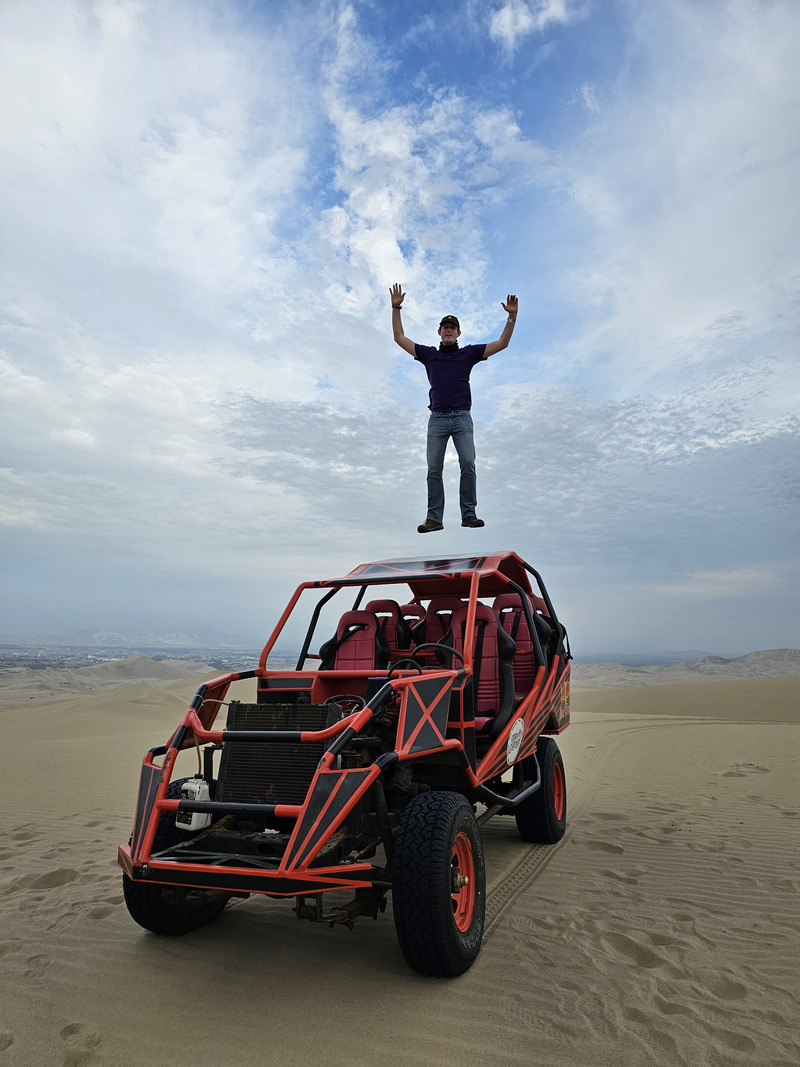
point(412, 611)
point(365, 619)
point(391, 606)
point(507, 600)
point(444, 603)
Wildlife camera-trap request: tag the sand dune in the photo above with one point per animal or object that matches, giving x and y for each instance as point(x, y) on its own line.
point(21, 684)
point(662, 930)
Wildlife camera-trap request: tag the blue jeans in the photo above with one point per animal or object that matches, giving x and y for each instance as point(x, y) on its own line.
point(442, 425)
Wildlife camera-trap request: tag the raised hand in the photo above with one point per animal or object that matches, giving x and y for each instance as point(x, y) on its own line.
point(397, 294)
point(511, 305)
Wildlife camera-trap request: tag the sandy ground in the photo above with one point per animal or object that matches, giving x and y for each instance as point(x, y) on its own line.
point(663, 929)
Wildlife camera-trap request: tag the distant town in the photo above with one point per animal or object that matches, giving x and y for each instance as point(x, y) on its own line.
point(15, 657)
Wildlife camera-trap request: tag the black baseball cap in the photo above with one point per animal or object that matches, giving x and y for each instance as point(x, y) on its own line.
point(450, 320)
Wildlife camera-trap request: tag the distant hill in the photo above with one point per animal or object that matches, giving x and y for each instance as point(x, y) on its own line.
point(56, 684)
point(640, 656)
point(769, 663)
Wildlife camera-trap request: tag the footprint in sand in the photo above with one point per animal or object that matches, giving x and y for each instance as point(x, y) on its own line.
point(634, 950)
point(25, 833)
point(603, 846)
point(80, 1044)
point(775, 1017)
point(6, 1040)
point(101, 911)
point(668, 1006)
point(53, 879)
point(724, 988)
point(633, 1015)
point(54, 853)
point(36, 966)
point(708, 846)
point(736, 1042)
point(740, 770)
point(629, 877)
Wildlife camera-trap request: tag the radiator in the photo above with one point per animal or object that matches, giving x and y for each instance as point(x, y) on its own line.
point(277, 772)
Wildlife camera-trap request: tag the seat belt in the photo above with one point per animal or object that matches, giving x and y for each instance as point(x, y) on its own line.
point(478, 656)
point(352, 628)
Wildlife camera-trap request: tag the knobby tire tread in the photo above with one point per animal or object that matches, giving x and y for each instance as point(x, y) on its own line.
point(536, 817)
point(421, 883)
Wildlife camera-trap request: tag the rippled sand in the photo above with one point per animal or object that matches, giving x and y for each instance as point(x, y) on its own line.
point(663, 929)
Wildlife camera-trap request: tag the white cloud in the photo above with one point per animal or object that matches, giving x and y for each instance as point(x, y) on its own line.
point(156, 140)
point(74, 436)
point(703, 585)
point(516, 19)
point(17, 508)
point(589, 98)
point(687, 174)
point(414, 181)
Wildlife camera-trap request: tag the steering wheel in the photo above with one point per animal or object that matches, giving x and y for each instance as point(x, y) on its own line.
point(407, 664)
point(437, 644)
point(344, 699)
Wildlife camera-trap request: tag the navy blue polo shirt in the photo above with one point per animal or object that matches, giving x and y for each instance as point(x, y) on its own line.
point(448, 372)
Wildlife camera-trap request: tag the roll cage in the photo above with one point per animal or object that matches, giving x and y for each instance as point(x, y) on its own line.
point(471, 577)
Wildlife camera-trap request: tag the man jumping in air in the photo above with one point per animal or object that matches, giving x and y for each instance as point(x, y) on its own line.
point(448, 368)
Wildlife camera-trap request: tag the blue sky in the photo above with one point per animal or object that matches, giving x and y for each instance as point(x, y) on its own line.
point(203, 207)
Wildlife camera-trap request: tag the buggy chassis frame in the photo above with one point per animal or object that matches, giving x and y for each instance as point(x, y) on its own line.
point(431, 716)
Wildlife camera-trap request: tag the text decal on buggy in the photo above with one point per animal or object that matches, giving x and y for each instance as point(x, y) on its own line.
point(514, 741)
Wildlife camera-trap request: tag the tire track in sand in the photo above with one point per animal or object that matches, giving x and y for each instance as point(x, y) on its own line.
point(534, 858)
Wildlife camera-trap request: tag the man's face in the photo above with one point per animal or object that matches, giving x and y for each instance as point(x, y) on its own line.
point(449, 334)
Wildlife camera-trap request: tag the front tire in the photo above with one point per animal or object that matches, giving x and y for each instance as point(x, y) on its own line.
point(439, 885)
point(146, 902)
point(542, 818)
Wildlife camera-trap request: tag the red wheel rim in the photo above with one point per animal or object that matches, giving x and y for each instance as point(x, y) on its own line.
point(559, 792)
point(462, 882)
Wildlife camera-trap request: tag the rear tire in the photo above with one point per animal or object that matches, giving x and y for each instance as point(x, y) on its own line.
point(542, 818)
point(439, 885)
point(145, 901)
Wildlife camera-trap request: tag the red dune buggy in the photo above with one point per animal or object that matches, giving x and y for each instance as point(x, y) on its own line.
point(370, 766)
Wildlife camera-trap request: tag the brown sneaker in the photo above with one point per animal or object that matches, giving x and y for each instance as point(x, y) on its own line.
point(473, 521)
point(429, 526)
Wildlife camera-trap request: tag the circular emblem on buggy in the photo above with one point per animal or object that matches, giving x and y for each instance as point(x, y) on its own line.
point(514, 741)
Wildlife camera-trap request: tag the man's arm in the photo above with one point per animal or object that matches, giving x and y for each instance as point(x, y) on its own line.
point(397, 322)
point(511, 306)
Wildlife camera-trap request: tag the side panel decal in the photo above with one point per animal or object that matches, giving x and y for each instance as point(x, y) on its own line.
point(332, 796)
point(148, 787)
point(559, 704)
point(424, 715)
point(497, 754)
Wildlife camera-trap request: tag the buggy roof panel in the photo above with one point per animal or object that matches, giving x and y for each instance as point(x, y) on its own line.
point(441, 576)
